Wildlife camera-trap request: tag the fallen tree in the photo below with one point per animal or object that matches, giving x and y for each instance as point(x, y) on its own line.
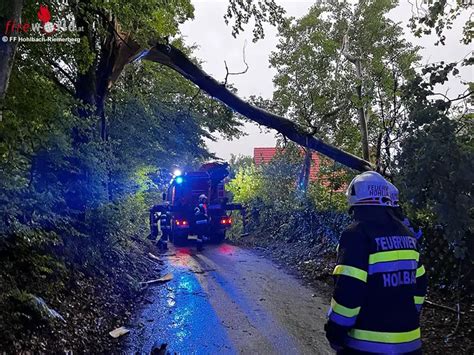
point(173, 58)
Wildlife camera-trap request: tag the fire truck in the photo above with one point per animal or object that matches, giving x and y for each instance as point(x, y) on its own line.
point(175, 217)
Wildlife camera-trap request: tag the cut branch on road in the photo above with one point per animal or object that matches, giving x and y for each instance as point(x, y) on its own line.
point(446, 308)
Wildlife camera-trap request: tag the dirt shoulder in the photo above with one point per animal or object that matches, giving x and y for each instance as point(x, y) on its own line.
point(91, 301)
point(440, 329)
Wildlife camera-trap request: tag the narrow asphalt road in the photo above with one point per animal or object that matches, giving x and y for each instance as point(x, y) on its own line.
point(229, 300)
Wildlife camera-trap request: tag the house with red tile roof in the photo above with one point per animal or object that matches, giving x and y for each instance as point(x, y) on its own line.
point(266, 154)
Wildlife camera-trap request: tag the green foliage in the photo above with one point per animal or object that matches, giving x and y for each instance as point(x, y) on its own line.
point(316, 84)
point(261, 11)
point(437, 172)
point(308, 84)
point(260, 182)
point(440, 16)
point(237, 229)
point(71, 200)
point(275, 183)
point(149, 19)
point(239, 162)
point(29, 250)
point(275, 208)
point(246, 185)
point(325, 198)
point(161, 92)
point(115, 223)
point(436, 164)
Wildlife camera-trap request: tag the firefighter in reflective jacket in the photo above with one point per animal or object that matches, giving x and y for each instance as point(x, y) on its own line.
point(201, 220)
point(380, 282)
point(154, 213)
point(165, 226)
point(160, 215)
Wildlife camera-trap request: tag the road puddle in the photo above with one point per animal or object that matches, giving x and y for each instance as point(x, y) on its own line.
point(179, 315)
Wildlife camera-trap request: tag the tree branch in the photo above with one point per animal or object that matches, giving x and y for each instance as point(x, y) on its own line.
point(460, 97)
point(446, 308)
point(62, 70)
point(239, 73)
point(360, 109)
point(335, 111)
point(345, 50)
point(192, 100)
point(176, 60)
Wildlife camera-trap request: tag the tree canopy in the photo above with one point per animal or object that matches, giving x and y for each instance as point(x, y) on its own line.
point(318, 86)
point(88, 138)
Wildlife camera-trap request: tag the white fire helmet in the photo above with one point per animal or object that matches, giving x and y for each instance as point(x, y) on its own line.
point(394, 194)
point(202, 197)
point(369, 189)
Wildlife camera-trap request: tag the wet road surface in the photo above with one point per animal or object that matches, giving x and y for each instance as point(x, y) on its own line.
point(228, 300)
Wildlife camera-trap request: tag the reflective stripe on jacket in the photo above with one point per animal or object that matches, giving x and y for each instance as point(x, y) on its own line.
point(380, 285)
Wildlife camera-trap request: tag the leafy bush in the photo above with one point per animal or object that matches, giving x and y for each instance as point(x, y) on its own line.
point(276, 209)
point(436, 170)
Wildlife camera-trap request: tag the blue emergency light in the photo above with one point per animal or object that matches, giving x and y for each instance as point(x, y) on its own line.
point(179, 179)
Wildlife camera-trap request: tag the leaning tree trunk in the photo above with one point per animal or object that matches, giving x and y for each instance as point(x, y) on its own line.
point(176, 60)
point(103, 73)
point(9, 10)
point(93, 86)
point(360, 109)
point(303, 180)
point(362, 114)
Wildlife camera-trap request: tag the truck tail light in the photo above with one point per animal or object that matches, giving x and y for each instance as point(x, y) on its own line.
point(181, 222)
point(226, 221)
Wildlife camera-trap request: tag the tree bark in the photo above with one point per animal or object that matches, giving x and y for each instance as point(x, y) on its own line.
point(85, 82)
point(362, 114)
point(104, 71)
point(116, 53)
point(93, 86)
point(305, 171)
point(176, 60)
point(11, 11)
point(360, 110)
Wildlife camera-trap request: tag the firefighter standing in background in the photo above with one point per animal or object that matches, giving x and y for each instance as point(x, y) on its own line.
point(154, 211)
point(160, 215)
point(202, 220)
point(380, 282)
point(165, 226)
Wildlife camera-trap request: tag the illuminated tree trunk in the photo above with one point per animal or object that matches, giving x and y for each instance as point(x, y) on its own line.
point(303, 180)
